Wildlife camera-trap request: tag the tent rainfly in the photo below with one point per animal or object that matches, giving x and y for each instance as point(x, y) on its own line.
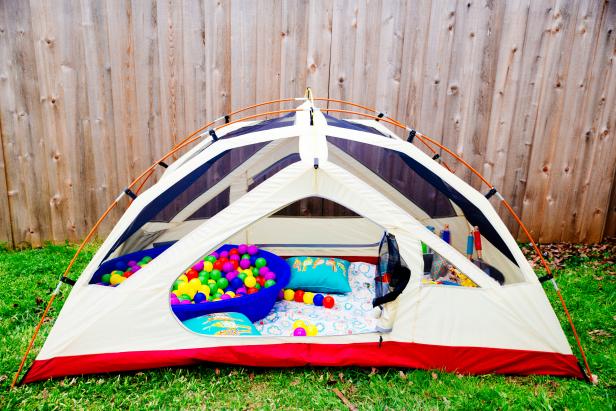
point(266, 182)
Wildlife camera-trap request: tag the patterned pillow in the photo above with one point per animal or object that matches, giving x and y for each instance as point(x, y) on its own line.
point(319, 274)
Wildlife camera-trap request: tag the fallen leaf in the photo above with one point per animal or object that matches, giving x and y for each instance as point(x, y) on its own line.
point(216, 371)
point(403, 375)
point(45, 394)
point(294, 382)
point(251, 376)
point(374, 371)
point(341, 377)
point(434, 376)
point(599, 333)
point(38, 300)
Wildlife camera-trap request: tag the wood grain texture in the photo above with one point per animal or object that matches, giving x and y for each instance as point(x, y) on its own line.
point(91, 92)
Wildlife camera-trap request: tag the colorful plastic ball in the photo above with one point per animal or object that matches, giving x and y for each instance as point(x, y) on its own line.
point(127, 274)
point(147, 259)
point(269, 283)
point(299, 332)
point(215, 275)
point(116, 279)
point(242, 248)
point(280, 295)
point(224, 254)
point(251, 290)
point(185, 297)
point(289, 294)
point(183, 278)
point(234, 257)
point(244, 263)
point(217, 265)
point(263, 270)
point(242, 276)
point(203, 277)
point(231, 275)
point(233, 251)
point(252, 249)
point(194, 285)
point(299, 296)
point(185, 302)
point(246, 256)
point(308, 298)
point(121, 265)
point(132, 263)
point(236, 283)
point(258, 286)
point(173, 299)
point(135, 268)
point(299, 323)
point(260, 281)
point(311, 330)
point(230, 293)
point(210, 259)
point(183, 288)
point(222, 283)
point(250, 282)
point(199, 298)
point(241, 290)
point(318, 300)
point(192, 273)
point(204, 289)
point(215, 254)
point(226, 267)
point(208, 266)
point(328, 301)
point(225, 297)
point(198, 266)
point(105, 278)
point(260, 262)
point(269, 276)
point(255, 271)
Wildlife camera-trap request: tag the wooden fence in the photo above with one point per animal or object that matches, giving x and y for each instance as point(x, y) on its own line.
point(91, 92)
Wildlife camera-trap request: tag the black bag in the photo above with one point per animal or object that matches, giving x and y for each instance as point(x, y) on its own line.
point(392, 274)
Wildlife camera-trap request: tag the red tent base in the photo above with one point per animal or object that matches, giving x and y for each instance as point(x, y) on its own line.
point(464, 360)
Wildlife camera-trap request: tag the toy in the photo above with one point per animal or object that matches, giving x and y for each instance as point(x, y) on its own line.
point(318, 300)
point(289, 295)
point(299, 332)
point(328, 301)
point(308, 298)
point(299, 296)
point(302, 329)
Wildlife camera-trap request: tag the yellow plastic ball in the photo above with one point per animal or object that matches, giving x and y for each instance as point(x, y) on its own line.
point(208, 267)
point(289, 294)
point(230, 294)
point(177, 293)
point(194, 284)
point(250, 281)
point(308, 298)
point(116, 279)
point(183, 278)
point(299, 323)
point(204, 289)
point(184, 288)
point(311, 330)
point(249, 272)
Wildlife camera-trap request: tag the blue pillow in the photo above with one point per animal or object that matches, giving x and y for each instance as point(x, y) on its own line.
point(319, 274)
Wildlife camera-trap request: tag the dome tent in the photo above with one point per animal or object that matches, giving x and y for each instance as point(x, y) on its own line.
point(230, 188)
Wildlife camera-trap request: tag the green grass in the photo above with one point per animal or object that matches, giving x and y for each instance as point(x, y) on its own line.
point(28, 277)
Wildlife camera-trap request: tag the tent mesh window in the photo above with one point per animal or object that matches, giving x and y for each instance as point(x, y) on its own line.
point(392, 274)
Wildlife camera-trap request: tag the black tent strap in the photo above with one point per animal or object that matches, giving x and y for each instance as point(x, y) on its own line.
point(380, 340)
point(491, 193)
point(411, 136)
point(213, 134)
point(130, 193)
point(68, 281)
point(436, 156)
point(311, 116)
point(545, 278)
point(163, 164)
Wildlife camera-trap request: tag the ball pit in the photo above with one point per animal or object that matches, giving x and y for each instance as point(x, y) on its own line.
point(242, 279)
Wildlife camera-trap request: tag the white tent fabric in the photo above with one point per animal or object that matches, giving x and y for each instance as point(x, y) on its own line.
point(136, 317)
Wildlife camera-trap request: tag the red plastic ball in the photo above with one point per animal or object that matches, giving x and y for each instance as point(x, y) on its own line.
point(261, 281)
point(299, 296)
point(127, 274)
point(217, 265)
point(328, 301)
point(233, 251)
point(192, 274)
point(235, 264)
point(251, 290)
point(223, 259)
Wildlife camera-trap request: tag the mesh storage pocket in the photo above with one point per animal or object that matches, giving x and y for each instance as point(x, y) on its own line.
point(392, 274)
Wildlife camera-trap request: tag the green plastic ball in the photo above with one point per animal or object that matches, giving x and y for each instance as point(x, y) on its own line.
point(106, 278)
point(257, 286)
point(222, 283)
point(176, 284)
point(260, 262)
point(241, 276)
point(255, 271)
point(245, 256)
point(269, 283)
point(203, 277)
point(147, 259)
point(215, 275)
point(185, 297)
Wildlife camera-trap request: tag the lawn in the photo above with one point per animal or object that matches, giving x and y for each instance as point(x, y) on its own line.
point(586, 275)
